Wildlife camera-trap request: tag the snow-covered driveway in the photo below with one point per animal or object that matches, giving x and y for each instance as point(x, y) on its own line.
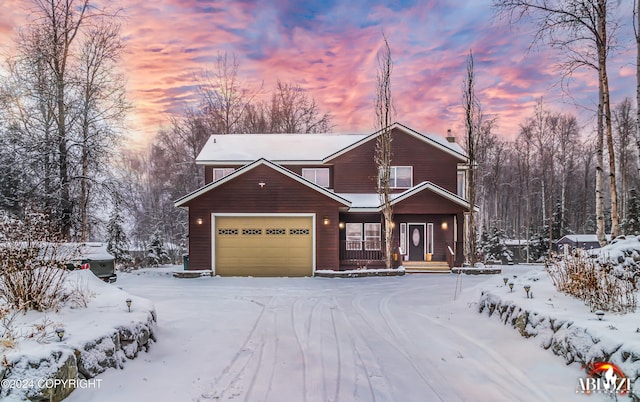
point(318, 339)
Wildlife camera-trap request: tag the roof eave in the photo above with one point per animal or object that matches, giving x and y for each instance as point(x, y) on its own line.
point(194, 194)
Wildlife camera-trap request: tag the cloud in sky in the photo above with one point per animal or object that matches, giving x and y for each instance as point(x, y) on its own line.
point(329, 49)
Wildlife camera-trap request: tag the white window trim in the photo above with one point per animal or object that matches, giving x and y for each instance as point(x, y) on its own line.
point(403, 239)
point(225, 172)
point(351, 243)
point(315, 176)
point(393, 176)
point(461, 187)
point(377, 246)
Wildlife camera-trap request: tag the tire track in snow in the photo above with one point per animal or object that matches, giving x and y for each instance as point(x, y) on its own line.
point(301, 347)
point(512, 373)
point(234, 370)
point(395, 343)
point(377, 382)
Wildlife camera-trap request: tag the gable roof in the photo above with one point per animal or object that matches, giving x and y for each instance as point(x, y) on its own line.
point(435, 140)
point(279, 148)
point(241, 149)
point(583, 238)
point(238, 172)
point(370, 202)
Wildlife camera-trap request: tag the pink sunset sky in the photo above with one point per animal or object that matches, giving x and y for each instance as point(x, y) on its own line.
point(329, 49)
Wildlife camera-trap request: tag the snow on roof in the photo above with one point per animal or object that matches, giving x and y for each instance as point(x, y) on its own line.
point(310, 148)
point(274, 147)
point(581, 238)
point(515, 242)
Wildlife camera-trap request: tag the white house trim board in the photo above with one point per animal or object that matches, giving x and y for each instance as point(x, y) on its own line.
point(252, 214)
point(180, 202)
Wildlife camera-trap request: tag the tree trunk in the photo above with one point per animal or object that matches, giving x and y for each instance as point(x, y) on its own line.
point(606, 105)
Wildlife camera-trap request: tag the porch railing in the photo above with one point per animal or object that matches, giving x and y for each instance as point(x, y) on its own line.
point(361, 253)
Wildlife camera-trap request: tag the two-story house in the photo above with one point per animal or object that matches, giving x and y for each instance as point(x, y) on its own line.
point(291, 204)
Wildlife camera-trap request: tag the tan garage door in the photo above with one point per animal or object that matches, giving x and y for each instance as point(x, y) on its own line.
point(264, 246)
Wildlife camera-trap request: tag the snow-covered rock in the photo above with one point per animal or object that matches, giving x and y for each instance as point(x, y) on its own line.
point(100, 336)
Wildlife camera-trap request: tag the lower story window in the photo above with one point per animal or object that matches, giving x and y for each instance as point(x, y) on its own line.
point(372, 236)
point(354, 236)
point(356, 232)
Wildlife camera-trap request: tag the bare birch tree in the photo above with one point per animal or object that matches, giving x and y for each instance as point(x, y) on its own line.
point(384, 110)
point(636, 31)
point(472, 117)
point(578, 29)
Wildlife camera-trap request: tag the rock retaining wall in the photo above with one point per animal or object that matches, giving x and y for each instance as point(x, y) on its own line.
point(52, 377)
point(565, 339)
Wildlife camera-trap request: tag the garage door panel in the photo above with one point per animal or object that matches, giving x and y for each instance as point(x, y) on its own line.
point(264, 246)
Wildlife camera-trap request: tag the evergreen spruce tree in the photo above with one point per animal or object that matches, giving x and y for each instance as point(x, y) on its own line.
point(632, 222)
point(117, 241)
point(156, 253)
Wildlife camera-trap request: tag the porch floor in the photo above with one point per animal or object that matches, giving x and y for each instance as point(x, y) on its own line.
point(419, 267)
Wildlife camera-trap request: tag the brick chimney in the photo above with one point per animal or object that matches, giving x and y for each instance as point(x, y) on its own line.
point(450, 138)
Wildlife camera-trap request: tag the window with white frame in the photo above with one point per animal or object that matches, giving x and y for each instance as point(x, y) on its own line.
point(462, 184)
point(372, 236)
point(354, 236)
point(220, 173)
point(400, 176)
point(319, 176)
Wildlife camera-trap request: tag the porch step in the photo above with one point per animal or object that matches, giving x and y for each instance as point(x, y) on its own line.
point(415, 267)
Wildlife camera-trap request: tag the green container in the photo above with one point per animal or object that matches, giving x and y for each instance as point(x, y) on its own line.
point(185, 261)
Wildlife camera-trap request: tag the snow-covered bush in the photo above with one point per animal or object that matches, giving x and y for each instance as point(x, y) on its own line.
point(32, 264)
point(595, 284)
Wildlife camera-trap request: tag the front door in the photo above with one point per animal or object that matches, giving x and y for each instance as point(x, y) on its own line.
point(416, 242)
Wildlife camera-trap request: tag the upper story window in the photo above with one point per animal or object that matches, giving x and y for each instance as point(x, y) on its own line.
point(462, 184)
point(220, 173)
point(401, 177)
point(319, 176)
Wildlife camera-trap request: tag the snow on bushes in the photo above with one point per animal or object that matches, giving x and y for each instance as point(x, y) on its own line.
point(605, 279)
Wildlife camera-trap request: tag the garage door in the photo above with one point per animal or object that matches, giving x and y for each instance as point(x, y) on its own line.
point(264, 246)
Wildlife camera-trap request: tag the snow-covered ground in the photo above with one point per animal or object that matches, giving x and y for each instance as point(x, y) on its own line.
point(321, 339)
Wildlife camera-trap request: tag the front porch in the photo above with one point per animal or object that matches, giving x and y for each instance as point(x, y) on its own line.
point(371, 255)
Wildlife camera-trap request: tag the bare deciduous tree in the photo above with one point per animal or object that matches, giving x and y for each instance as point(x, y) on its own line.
point(292, 111)
point(384, 111)
point(63, 103)
point(578, 28)
point(472, 124)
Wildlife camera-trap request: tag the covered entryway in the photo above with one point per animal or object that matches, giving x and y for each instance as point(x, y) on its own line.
point(264, 245)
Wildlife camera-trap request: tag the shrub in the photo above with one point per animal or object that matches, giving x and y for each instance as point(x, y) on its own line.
point(597, 285)
point(32, 264)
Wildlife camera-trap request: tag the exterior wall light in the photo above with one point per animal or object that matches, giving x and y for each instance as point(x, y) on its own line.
point(325, 220)
point(199, 221)
point(341, 225)
point(444, 225)
point(262, 184)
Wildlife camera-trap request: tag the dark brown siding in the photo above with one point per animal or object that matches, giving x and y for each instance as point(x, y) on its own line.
point(355, 171)
point(427, 200)
point(280, 194)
